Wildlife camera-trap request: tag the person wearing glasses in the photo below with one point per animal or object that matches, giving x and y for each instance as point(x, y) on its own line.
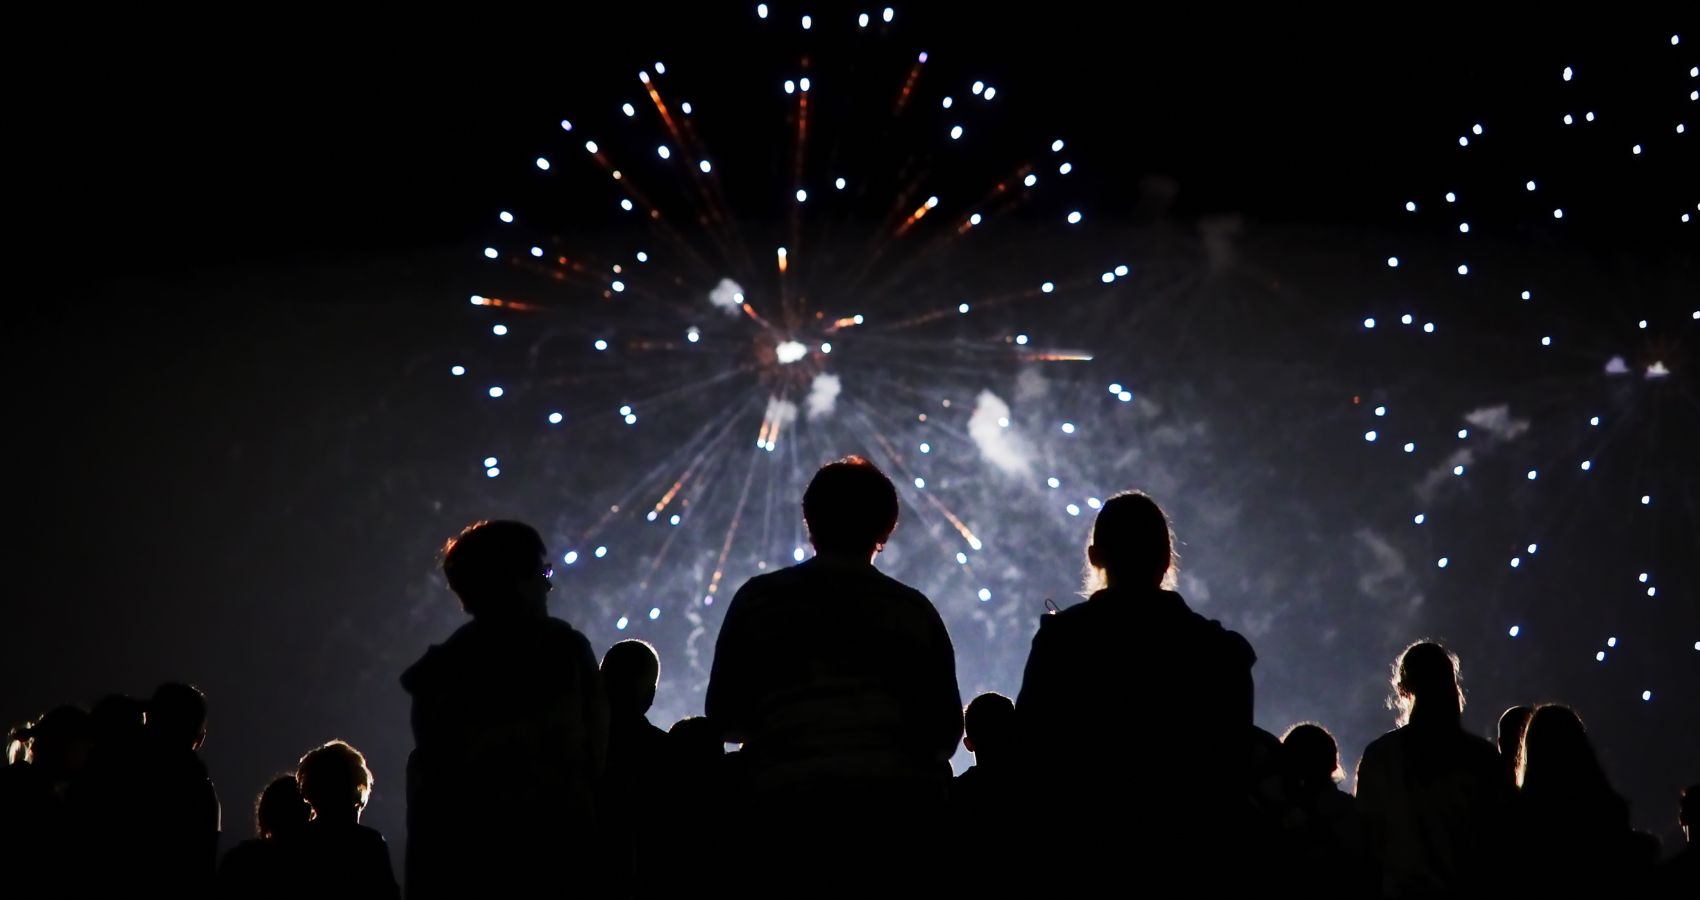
point(510, 729)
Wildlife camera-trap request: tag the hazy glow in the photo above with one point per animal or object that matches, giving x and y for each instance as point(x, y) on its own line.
point(790, 351)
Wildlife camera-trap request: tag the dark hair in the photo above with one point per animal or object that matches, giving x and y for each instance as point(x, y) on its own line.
point(1509, 732)
point(1310, 755)
point(1558, 759)
point(177, 713)
point(118, 717)
point(489, 560)
point(850, 506)
point(1133, 540)
point(630, 671)
point(334, 775)
point(51, 741)
point(697, 740)
point(989, 722)
point(1688, 809)
point(280, 809)
point(1427, 671)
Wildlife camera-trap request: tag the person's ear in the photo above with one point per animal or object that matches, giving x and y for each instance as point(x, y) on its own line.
point(1092, 556)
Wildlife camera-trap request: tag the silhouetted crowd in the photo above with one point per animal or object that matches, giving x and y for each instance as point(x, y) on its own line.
point(1127, 763)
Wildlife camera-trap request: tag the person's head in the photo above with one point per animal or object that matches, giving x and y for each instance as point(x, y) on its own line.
point(850, 508)
point(118, 718)
point(1556, 756)
point(177, 715)
point(335, 781)
point(1310, 756)
point(697, 740)
point(630, 671)
point(1132, 544)
point(1688, 811)
point(1510, 731)
point(280, 808)
point(1425, 683)
point(498, 568)
point(989, 726)
point(57, 743)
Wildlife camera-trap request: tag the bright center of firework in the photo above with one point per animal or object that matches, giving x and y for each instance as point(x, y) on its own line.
point(789, 352)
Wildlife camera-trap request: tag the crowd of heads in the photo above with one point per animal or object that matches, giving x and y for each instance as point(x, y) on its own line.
point(826, 733)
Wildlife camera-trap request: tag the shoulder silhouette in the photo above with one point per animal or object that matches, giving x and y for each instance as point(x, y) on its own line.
point(1572, 828)
point(1433, 797)
point(264, 866)
point(840, 682)
point(1321, 836)
point(1114, 683)
point(47, 765)
point(510, 728)
point(634, 789)
point(336, 855)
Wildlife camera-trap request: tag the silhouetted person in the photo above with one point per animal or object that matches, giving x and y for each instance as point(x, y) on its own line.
point(1679, 876)
point(1432, 796)
point(633, 784)
point(630, 673)
point(987, 788)
point(691, 828)
point(167, 809)
point(697, 744)
point(264, 866)
point(120, 721)
point(1509, 737)
point(1572, 829)
point(113, 801)
point(1322, 839)
point(840, 682)
point(39, 822)
point(337, 856)
point(1111, 685)
point(510, 729)
point(985, 800)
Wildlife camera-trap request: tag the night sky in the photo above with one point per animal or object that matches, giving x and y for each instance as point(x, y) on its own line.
point(234, 452)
